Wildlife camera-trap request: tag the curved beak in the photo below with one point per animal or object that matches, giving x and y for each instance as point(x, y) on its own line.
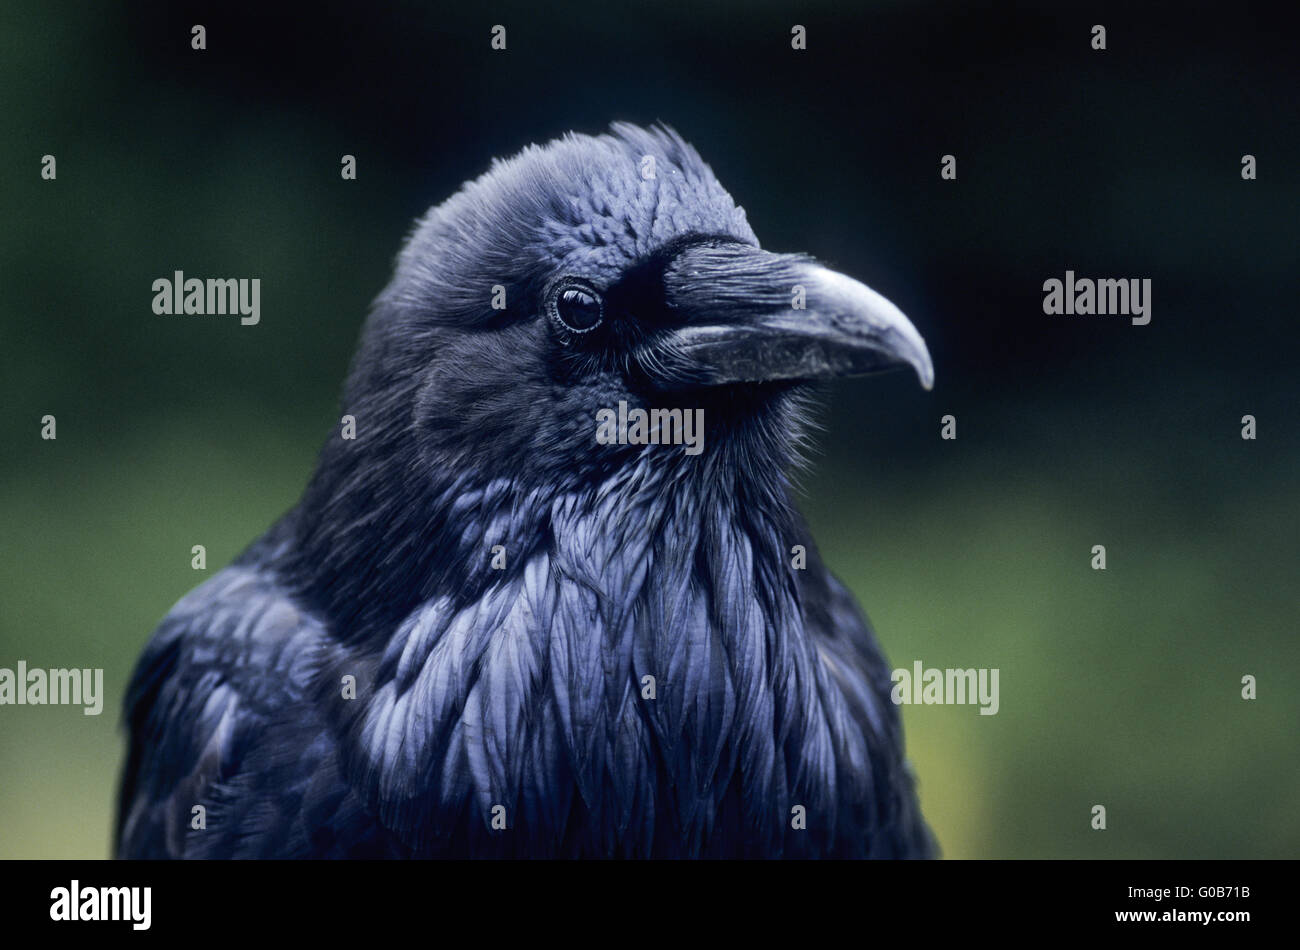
point(752, 316)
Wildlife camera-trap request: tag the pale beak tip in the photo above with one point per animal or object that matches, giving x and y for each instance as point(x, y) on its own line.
point(925, 373)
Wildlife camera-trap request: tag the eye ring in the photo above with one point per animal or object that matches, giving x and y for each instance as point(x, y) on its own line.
point(575, 305)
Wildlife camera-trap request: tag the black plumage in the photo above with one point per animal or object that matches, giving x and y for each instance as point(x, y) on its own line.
point(499, 585)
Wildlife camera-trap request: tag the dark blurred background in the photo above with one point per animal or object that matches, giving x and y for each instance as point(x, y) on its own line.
point(1119, 688)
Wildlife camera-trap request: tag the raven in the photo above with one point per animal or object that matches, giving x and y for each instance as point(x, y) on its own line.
point(485, 632)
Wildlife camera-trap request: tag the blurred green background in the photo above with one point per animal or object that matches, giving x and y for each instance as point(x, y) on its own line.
point(1119, 688)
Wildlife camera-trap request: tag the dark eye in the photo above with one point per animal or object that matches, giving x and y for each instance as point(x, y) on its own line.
point(576, 305)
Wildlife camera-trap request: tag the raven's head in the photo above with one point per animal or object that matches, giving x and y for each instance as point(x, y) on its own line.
point(565, 281)
point(600, 270)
